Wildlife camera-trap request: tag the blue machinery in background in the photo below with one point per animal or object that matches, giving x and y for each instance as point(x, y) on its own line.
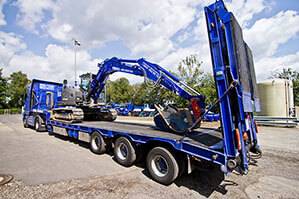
point(237, 96)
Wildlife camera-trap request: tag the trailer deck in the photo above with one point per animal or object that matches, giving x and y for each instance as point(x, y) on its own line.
point(205, 137)
point(204, 143)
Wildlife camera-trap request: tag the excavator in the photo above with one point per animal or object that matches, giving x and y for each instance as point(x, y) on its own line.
point(168, 118)
point(79, 104)
point(74, 107)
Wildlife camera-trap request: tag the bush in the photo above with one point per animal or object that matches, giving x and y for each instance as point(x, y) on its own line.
point(11, 111)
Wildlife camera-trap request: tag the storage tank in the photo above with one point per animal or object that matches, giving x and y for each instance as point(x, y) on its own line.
point(276, 98)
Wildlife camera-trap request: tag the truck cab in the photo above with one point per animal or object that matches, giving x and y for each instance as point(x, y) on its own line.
point(41, 97)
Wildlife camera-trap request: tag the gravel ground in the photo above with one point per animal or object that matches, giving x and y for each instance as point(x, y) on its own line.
point(275, 175)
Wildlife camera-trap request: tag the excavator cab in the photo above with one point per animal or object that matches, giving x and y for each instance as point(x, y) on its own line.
point(70, 96)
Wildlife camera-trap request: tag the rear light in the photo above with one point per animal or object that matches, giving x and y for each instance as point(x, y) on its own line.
point(245, 136)
point(195, 108)
point(237, 134)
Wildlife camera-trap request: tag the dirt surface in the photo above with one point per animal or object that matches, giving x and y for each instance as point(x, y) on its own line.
point(49, 167)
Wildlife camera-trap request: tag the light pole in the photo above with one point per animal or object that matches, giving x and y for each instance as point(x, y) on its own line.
point(76, 43)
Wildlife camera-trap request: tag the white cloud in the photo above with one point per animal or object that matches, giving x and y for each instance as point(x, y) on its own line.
point(201, 51)
point(145, 27)
point(32, 12)
point(2, 19)
point(269, 65)
point(267, 34)
point(57, 63)
point(10, 44)
point(244, 10)
point(264, 37)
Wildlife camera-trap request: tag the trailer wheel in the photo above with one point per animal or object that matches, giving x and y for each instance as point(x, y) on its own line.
point(162, 165)
point(37, 124)
point(97, 143)
point(124, 152)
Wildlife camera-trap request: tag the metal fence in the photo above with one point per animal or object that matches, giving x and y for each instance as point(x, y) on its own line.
point(277, 121)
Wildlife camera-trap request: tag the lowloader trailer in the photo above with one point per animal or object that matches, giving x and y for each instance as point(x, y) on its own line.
point(168, 154)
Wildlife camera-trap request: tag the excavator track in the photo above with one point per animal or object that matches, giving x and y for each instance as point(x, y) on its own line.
point(69, 114)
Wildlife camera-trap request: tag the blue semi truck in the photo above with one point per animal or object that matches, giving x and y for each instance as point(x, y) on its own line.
point(172, 147)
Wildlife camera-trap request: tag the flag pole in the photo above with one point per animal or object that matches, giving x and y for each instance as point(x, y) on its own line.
point(76, 43)
point(75, 64)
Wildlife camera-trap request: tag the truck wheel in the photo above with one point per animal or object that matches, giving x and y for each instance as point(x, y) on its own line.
point(124, 152)
point(162, 165)
point(37, 124)
point(97, 143)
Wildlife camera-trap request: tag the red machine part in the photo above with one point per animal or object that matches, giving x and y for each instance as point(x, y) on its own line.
point(195, 108)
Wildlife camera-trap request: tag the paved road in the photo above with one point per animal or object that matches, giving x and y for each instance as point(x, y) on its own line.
point(39, 158)
point(71, 171)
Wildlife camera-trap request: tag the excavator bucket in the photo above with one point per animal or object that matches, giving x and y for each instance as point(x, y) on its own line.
point(173, 119)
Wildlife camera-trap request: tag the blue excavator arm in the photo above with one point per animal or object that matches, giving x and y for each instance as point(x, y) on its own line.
point(169, 117)
point(140, 67)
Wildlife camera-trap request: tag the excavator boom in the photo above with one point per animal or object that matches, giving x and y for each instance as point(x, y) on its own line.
point(169, 118)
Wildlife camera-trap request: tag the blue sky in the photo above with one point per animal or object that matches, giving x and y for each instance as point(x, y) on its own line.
point(36, 36)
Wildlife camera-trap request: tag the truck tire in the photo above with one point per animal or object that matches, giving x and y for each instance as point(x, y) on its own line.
point(124, 152)
point(38, 124)
point(162, 165)
point(97, 143)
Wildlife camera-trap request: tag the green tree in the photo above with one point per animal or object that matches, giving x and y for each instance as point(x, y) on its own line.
point(119, 91)
point(286, 73)
point(147, 94)
point(17, 83)
point(207, 88)
point(190, 70)
point(3, 91)
point(290, 74)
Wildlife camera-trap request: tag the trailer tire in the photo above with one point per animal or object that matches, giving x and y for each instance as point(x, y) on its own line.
point(37, 124)
point(124, 152)
point(97, 143)
point(162, 165)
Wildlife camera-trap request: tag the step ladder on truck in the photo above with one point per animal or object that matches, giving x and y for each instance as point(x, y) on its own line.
point(176, 142)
